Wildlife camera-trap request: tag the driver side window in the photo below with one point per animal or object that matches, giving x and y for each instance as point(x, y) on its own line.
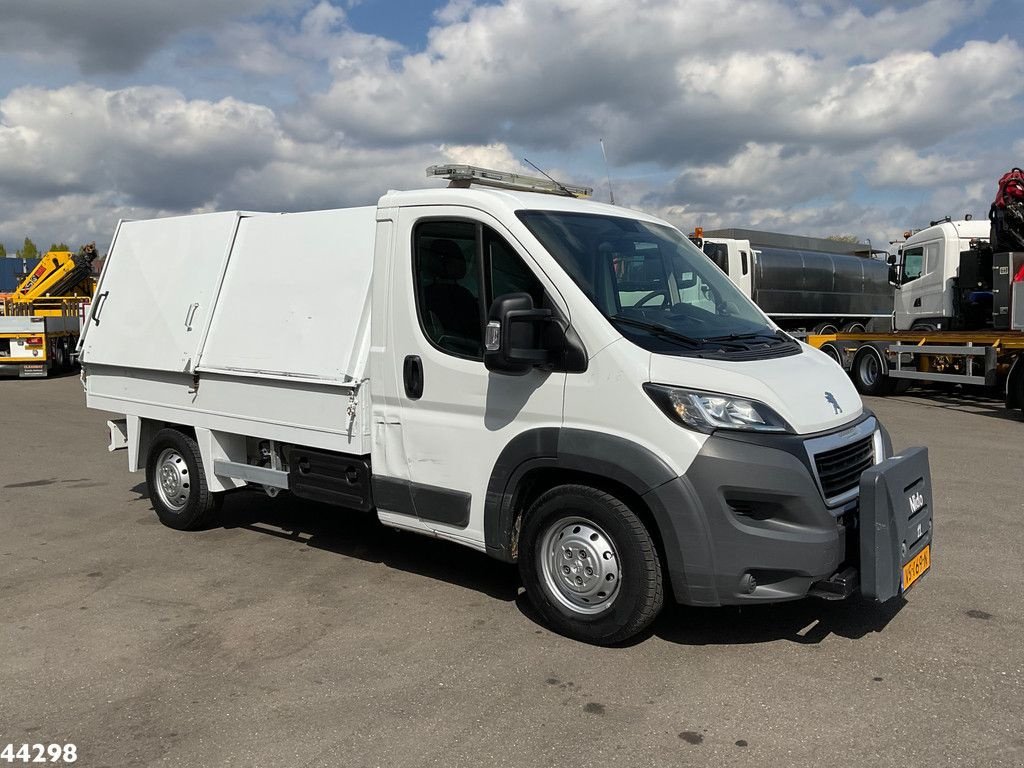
point(913, 263)
point(458, 269)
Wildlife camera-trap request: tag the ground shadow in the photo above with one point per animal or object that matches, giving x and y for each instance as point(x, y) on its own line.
point(806, 622)
point(969, 400)
point(361, 535)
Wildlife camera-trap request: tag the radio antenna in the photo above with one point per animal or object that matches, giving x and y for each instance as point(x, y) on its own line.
point(565, 190)
point(608, 173)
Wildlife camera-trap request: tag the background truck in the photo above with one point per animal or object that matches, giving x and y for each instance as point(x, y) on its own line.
point(955, 316)
point(562, 384)
point(804, 283)
point(42, 318)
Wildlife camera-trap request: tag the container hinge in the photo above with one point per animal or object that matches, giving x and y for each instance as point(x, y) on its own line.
point(194, 389)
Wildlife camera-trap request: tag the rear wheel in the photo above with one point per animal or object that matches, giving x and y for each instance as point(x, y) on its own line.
point(59, 356)
point(825, 328)
point(176, 482)
point(589, 565)
point(868, 372)
point(69, 353)
point(854, 327)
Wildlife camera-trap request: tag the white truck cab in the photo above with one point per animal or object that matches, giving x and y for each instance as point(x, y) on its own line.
point(733, 256)
point(929, 262)
point(560, 383)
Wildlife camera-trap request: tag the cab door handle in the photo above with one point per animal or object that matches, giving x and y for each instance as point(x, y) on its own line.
point(412, 373)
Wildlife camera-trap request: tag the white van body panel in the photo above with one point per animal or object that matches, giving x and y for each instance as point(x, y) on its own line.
point(157, 290)
point(308, 322)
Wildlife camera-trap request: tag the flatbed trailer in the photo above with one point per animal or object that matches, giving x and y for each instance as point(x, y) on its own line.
point(884, 363)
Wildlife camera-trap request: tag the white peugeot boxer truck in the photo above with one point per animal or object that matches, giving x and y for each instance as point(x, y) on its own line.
point(564, 384)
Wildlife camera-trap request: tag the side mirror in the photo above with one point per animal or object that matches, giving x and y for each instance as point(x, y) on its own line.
point(891, 259)
point(514, 335)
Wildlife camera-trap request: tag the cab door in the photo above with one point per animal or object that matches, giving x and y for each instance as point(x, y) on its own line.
point(922, 285)
point(455, 416)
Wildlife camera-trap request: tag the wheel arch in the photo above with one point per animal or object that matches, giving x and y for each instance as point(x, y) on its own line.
point(537, 460)
point(141, 432)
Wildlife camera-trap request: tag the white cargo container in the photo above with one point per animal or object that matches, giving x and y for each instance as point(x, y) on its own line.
point(565, 384)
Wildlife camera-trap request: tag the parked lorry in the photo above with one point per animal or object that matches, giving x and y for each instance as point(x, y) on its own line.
point(42, 318)
point(804, 284)
point(958, 317)
point(564, 384)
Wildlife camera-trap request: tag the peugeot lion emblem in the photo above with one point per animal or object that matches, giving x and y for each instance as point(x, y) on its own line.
point(831, 400)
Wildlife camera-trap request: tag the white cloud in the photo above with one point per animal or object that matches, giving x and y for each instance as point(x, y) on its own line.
point(775, 114)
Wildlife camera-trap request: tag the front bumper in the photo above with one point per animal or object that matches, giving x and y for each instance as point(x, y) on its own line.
point(748, 523)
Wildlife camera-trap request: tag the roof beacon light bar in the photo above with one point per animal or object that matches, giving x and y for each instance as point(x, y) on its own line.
point(466, 175)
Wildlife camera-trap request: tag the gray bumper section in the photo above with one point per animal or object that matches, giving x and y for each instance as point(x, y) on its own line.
point(766, 533)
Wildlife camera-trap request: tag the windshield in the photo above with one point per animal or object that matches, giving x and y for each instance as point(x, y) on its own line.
point(652, 283)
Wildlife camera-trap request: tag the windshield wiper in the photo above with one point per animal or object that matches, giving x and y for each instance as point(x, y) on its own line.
point(777, 335)
point(658, 329)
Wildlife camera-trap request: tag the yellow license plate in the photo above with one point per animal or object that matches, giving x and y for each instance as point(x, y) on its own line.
point(917, 567)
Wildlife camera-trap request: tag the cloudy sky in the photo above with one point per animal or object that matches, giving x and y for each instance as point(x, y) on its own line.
point(817, 117)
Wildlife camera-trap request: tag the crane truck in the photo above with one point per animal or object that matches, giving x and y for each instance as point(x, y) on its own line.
point(41, 322)
point(804, 284)
point(958, 317)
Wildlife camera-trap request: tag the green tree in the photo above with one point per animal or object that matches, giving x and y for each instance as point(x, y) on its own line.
point(3, 251)
point(28, 250)
point(61, 246)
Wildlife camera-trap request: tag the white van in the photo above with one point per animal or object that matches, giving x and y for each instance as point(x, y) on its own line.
point(564, 384)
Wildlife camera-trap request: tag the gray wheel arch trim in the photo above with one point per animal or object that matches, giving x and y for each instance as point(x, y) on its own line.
point(677, 513)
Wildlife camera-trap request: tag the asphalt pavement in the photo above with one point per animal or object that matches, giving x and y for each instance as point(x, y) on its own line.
point(296, 634)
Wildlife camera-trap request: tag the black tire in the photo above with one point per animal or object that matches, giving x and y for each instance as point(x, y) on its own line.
point(832, 351)
point(622, 594)
point(69, 353)
point(869, 372)
point(177, 484)
point(824, 328)
point(854, 327)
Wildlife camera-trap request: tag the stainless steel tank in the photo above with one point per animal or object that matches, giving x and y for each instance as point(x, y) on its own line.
point(811, 283)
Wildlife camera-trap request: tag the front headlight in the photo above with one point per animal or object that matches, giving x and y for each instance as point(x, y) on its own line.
point(708, 411)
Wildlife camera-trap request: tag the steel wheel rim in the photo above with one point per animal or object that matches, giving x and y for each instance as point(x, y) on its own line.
point(172, 480)
point(869, 370)
point(579, 565)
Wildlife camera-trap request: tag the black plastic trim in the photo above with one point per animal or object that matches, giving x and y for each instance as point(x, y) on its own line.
point(427, 502)
point(329, 477)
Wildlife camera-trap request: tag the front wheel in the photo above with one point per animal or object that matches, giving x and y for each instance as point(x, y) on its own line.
point(589, 565)
point(176, 482)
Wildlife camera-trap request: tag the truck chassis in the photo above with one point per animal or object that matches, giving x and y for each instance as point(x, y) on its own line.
point(887, 363)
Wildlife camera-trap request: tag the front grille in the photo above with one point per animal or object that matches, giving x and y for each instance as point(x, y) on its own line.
point(839, 469)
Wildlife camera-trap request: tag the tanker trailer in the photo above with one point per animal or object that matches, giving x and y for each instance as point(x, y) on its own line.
point(805, 283)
